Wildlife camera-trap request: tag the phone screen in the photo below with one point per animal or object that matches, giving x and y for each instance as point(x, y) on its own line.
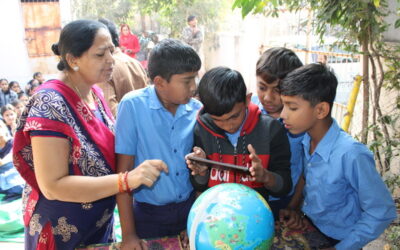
point(211, 163)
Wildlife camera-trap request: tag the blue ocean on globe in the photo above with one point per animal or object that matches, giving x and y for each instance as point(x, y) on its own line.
point(230, 216)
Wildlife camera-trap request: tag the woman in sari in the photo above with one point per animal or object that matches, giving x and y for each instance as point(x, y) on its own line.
point(129, 42)
point(64, 148)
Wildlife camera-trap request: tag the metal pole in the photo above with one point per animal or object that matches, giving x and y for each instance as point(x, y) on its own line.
point(351, 104)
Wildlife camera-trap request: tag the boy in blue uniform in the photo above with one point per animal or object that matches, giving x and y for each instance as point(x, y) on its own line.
point(344, 196)
point(273, 66)
point(157, 123)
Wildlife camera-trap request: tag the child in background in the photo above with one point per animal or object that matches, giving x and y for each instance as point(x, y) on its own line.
point(231, 129)
point(344, 195)
point(157, 123)
point(31, 86)
point(23, 97)
point(14, 86)
point(19, 107)
point(6, 95)
point(39, 76)
point(11, 183)
point(9, 115)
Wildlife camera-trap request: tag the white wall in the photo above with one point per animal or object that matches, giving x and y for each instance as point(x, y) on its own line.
point(65, 12)
point(14, 61)
point(392, 35)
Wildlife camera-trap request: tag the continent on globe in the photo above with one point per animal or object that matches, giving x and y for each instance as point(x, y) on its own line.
point(230, 216)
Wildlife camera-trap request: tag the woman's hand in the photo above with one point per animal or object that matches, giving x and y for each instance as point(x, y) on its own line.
point(197, 168)
point(146, 173)
point(133, 243)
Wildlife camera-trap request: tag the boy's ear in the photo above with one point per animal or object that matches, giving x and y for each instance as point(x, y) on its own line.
point(248, 98)
point(323, 109)
point(159, 81)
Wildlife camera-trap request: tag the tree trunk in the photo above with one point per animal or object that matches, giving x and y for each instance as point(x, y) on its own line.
point(365, 111)
point(143, 21)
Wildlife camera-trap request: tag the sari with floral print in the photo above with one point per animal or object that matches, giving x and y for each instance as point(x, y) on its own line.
point(55, 109)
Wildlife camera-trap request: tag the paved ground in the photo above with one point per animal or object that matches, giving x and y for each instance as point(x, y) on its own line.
point(11, 246)
point(374, 245)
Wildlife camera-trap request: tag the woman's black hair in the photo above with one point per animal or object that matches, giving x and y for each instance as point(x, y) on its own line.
point(75, 38)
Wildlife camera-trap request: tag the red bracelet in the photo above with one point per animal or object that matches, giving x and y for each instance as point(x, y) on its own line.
point(127, 189)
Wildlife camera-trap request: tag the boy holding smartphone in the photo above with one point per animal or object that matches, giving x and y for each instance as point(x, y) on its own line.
point(231, 129)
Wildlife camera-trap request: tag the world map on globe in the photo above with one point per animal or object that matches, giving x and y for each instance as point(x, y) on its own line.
point(230, 216)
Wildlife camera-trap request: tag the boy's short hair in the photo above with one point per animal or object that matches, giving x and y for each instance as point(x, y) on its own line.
point(220, 89)
point(170, 57)
point(36, 74)
point(276, 63)
point(314, 83)
point(191, 18)
point(112, 29)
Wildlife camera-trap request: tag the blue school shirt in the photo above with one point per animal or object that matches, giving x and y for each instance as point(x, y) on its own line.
point(296, 147)
point(344, 195)
point(233, 137)
point(146, 130)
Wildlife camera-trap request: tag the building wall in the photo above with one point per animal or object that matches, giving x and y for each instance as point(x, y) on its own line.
point(392, 35)
point(14, 62)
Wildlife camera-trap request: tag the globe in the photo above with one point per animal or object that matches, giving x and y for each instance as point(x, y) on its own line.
point(230, 216)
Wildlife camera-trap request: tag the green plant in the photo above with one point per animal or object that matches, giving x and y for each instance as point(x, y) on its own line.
point(119, 11)
point(393, 236)
point(172, 14)
point(360, 24)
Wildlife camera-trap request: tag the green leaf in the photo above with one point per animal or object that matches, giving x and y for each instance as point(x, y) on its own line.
point(260, 7)
point(386, 119)
point(377, 3)
point(397, 23)
point(236, 4)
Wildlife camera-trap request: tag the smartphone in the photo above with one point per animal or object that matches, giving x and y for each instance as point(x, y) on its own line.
point(217, 164)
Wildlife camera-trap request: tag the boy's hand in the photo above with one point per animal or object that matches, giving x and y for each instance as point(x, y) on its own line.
point(257, 172)
point(292, 219)
point(197, 168)
point(133, 243)
point(184, 239)
point(146, 173)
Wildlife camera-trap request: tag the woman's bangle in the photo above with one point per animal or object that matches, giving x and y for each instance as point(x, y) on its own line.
point(120, 187)
point(127, 188)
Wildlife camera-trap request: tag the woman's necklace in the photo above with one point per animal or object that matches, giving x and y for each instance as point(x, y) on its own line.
point(80, 95)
